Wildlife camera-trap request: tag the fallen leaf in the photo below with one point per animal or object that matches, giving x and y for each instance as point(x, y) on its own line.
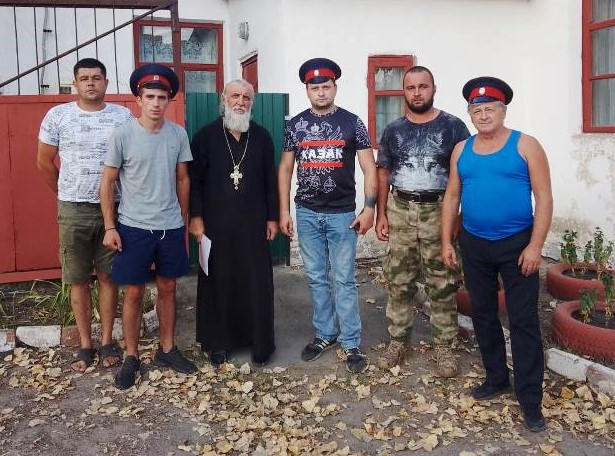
point(247, 387)
point(35, 422)
point(363, 391)
point(566, 393)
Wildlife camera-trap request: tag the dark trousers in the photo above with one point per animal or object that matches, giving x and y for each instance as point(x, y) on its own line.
point(483, 260)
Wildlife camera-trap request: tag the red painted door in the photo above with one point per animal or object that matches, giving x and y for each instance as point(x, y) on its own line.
point(249, 71)
point(28, 228)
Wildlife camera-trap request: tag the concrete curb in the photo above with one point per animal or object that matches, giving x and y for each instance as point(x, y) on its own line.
point(466, 328)
point(574, 367)
point(39, 336)
point(569, 365)
point(55, 335)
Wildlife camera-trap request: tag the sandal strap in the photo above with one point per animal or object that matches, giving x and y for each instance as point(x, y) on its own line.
point(85, 355)
point(111, 350)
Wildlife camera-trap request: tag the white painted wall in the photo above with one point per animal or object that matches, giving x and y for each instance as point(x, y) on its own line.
point(535, 45)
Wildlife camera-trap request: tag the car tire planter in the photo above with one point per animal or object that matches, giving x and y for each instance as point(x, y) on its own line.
point(582, 338)
point(566, 288)
point(464, 306)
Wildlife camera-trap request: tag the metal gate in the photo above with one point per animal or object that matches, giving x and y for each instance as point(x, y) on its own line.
point(269, 110)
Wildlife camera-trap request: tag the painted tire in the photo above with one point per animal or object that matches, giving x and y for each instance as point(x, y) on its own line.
point(464, 306)
point(583, 339)
point(568, 288)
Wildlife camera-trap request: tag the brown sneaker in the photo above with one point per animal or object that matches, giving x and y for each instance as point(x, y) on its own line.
point(393, 355)
point(447, 362)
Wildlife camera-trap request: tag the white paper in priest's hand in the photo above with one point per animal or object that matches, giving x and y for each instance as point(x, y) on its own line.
point(204, 249)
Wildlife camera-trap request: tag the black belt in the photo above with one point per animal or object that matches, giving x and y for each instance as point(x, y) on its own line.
point(430, 196)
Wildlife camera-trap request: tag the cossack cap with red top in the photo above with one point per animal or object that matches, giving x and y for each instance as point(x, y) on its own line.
point(154, 76)
point(319, 70)
point(485, 89)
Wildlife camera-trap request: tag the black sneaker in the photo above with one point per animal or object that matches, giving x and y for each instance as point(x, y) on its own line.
point(356, 360)
point(126, 376)
point(534, 420)
point(486, 391)
point(175, 360)
point(314, 349)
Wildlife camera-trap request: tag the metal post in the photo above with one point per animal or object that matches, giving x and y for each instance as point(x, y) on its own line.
point(176, 42)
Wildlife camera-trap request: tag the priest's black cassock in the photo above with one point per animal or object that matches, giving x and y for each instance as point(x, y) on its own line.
point(235, 301)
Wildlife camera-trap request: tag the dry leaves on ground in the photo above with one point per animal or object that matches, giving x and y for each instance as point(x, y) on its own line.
point(235, 410)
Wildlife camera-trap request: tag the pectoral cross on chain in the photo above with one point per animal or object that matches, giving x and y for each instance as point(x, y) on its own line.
point(236, 176)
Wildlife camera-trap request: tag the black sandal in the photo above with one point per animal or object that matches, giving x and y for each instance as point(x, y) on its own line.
point(85, 355)
point(110, 351)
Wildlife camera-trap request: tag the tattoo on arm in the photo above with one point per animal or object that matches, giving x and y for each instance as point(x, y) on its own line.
point(370, 201)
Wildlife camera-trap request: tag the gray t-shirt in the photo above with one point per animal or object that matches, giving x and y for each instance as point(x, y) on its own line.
point(147, 162)
point(82, 139)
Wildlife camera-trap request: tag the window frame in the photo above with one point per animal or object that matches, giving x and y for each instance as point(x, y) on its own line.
point(218, 67)
point(587, 78)
point(405, 62)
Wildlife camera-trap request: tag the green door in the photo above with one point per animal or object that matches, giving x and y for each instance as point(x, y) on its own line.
point(269, 110)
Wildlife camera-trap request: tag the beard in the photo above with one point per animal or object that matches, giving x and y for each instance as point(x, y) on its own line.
point(235, 121)
point(422, 108)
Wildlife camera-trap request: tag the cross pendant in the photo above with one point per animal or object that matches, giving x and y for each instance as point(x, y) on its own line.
point(236, 176)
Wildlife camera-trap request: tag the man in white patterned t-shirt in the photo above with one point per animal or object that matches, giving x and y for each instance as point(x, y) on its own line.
point(79, 132)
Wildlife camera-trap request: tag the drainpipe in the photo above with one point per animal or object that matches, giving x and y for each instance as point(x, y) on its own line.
point(46, 32)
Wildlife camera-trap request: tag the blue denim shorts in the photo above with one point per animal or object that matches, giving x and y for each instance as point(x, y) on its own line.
point(165, 249)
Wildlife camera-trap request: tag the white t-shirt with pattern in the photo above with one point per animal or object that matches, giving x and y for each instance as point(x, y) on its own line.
point(82, 138)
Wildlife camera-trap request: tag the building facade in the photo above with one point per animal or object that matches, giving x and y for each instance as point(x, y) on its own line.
point(559, 57)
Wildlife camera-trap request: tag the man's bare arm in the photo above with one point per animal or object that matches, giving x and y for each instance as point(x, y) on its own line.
point(365, 219)
point(112, 238)
point(450, 211)
point(382, 222)
point(540, 179)
point(183, 189)
point(285, 174)
point(45, 162)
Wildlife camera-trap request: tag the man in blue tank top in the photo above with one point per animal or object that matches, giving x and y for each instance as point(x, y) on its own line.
point(493, 176)
point(413, 161)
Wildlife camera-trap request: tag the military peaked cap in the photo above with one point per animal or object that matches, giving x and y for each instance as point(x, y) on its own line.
point(485, 89)
point(154, 76)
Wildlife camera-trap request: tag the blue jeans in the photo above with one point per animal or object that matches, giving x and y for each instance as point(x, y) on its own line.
point(328, 244)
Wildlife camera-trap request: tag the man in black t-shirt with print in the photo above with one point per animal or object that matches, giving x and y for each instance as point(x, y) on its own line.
point(324, 141)
point(413, 165)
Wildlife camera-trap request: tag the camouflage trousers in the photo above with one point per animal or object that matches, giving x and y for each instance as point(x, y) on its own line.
point(414, 256)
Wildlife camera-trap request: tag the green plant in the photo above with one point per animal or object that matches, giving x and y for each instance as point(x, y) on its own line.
point(596, 253)
point(601, 253)
point(569, 248)
point(609, 297)
point(588, 255)
point(3, 315)
point(52, 300)
point(588, 301)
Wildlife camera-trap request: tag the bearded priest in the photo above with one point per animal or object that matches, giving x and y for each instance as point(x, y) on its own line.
point(233, 201)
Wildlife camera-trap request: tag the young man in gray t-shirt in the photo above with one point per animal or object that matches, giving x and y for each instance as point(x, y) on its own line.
point(149, 158)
